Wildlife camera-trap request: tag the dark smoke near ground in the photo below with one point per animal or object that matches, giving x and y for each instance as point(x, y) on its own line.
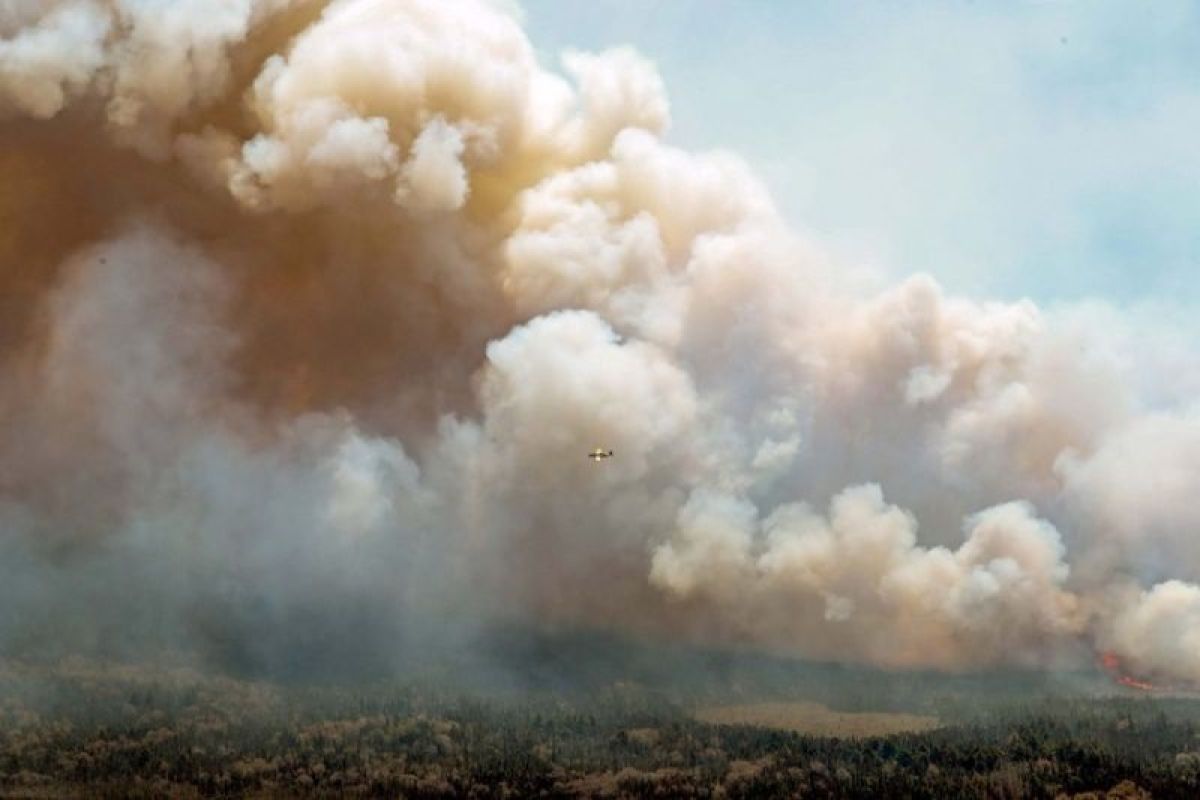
point(310, 312)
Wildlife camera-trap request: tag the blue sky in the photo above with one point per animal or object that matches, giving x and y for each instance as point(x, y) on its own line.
point(1041, 148)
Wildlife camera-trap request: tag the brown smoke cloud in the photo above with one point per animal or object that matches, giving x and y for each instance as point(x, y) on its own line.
point(310, 312)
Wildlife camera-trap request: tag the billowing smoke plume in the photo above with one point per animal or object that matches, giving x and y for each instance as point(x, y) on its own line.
point(310, 313)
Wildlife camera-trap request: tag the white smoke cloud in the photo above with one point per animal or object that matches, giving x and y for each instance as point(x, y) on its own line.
point(1158, 633)
point(48, 60)
point(860, 579)
point(364, 285)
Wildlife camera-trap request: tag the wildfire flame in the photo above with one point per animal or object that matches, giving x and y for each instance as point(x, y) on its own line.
point(1112, 665)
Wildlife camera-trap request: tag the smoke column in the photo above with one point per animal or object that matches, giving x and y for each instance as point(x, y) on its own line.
point(310, 312)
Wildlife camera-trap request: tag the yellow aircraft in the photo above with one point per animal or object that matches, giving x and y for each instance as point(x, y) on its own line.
point(599, 455)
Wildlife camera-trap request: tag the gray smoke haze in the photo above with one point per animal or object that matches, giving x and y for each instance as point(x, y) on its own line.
point(309, 313)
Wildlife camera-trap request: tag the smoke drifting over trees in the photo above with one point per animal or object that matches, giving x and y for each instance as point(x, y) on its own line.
point(310, 312)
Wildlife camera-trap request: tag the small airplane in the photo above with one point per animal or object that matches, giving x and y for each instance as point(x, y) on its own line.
point(599, 455)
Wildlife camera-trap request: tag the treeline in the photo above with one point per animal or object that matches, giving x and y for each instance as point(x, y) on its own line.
point(125, 735)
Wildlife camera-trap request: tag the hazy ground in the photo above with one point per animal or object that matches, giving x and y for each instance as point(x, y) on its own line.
point(815, 719)
point(725, 726)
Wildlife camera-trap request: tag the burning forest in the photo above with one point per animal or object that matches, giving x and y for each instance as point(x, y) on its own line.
point(311, 313)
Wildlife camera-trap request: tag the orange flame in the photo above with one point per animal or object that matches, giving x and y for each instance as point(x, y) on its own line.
point(1134, 683)
point(1112, 665)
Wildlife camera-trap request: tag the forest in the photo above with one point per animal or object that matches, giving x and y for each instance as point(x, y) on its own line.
point(72, 727)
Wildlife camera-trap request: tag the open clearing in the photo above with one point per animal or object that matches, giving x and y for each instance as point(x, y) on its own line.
point(815, 719)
